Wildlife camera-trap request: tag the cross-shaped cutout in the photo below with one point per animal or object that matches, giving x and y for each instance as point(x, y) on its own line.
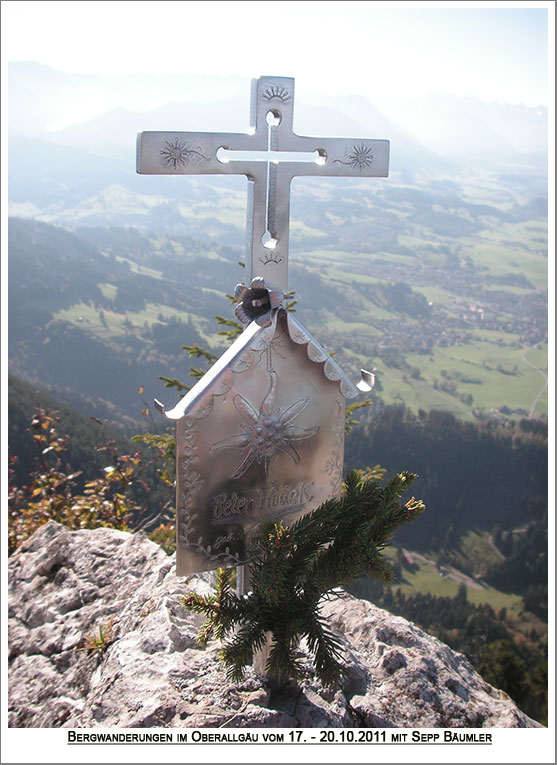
point(270, 155)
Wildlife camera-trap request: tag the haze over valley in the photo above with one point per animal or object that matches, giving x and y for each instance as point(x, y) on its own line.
point(436, 277)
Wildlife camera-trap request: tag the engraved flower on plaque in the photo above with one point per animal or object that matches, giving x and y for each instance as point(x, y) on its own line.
point(268, 432)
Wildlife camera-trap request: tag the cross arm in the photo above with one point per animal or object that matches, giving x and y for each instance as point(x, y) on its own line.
point(163, 152)
point(340, 157)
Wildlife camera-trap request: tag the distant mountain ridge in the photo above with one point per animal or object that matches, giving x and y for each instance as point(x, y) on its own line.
point(468, 129)
point(43, 98)
point(45, 102)
point(85, 173)
point(112, 134)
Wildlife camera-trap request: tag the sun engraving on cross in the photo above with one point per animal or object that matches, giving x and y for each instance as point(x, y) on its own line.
point(276, 92)
point(175, 154)
point(359, 157)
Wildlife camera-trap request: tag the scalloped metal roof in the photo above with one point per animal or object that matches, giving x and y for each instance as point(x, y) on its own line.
point(240, 356)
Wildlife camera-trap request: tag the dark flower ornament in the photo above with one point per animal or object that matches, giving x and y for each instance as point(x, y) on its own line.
point(256, 302)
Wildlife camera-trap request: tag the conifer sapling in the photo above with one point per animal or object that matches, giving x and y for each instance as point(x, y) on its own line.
point(294, 568)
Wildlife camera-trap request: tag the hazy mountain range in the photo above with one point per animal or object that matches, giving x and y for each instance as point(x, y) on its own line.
point(102, 114)
point(84, 172)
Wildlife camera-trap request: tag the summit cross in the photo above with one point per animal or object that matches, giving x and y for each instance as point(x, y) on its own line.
point(270, 154)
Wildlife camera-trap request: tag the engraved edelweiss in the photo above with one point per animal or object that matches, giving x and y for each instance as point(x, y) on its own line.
point(176, 154)
point(268, 432)
point(360, 157)
point(276, 92)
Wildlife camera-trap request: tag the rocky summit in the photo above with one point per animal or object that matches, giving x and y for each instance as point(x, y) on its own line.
point(98, 638)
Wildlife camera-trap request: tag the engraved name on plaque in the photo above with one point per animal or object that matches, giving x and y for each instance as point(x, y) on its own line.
point(261, 435)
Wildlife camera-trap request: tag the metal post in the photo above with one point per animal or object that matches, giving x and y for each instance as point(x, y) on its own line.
point(242, 576)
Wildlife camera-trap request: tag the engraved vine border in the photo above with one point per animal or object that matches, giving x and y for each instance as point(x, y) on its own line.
point(333, 467)
point(190, 485)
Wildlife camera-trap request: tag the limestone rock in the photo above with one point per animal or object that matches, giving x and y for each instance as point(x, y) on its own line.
point(415, 680)
point(97, 638)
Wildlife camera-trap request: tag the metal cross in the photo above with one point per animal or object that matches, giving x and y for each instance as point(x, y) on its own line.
point(270, 155)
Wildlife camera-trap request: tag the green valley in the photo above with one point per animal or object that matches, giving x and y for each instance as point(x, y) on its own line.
point(444, 297)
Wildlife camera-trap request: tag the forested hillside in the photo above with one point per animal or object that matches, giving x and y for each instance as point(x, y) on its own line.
point(77, 451)
point(73, 316)
point(96, 312)
point(84, 433)
point(474, 475)
point(473, 570)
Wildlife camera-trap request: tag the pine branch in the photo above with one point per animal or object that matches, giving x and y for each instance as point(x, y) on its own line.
point(284, 659)
point(218, 608)
point(238, 652)
point(235, 328)
point(174, 382)
point(296, 566)
point(349, 422)
point(197, 373)
point(196, 351)
point(327, 650)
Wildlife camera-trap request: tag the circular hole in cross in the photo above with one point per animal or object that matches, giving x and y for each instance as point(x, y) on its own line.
point(273, 118)
point(321, 156)
point(269, 240)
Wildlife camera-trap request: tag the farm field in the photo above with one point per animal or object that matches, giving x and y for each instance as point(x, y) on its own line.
point(115, 326)
point(492, 374)
point(427, 579)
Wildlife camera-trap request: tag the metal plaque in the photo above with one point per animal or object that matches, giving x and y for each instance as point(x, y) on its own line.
point(261, 436)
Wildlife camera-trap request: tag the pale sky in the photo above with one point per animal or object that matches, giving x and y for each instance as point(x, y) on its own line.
point(495, 51)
